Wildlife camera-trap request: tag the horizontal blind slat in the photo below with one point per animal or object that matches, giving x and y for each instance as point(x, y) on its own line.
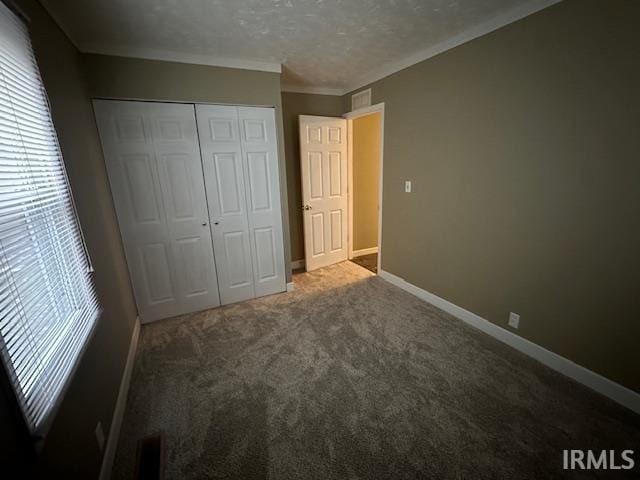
point(48, 304)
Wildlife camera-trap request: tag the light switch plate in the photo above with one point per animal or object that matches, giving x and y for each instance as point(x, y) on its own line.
point(407, 186)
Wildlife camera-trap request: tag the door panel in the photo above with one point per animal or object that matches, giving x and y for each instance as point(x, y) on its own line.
point(181, 203)
point(259, 186)
point(226, 197)
point(153, 162)
point(317, 227)
point(228, 178)
point(315, 175)
point(254, 129)
point(140, 189)
point(236, 246)
point(323, 154)
point(335, 174)
point(155, 267)
point(260, 155)
point(129, 127)
point(265, 249)
point(336, 231)
point(192, 250)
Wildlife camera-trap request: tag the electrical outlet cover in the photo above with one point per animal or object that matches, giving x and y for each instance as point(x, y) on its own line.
point(514, 320)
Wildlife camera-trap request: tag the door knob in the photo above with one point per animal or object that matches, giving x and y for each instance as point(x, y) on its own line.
point(204, 224)
point(306, 207)
point(216, 223)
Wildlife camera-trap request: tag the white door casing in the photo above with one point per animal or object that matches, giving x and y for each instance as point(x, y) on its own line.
point(323, 156)
point(239, 155)
point(155, 171)
point(350, 116)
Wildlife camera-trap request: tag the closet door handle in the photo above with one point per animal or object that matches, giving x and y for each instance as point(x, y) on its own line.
point(216, 223)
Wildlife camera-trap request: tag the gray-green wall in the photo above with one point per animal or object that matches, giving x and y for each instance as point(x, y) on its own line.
point(524, 150)
point(133, 78)
point(294, 104)
point(71, 449)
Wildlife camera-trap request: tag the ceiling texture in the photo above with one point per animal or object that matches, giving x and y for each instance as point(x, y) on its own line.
point(321, 46)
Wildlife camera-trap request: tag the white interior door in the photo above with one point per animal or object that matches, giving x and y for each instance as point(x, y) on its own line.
point(239, 155)
point(154, 166)
point(323, 156)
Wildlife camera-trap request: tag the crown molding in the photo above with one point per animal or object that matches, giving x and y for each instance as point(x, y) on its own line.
point(499, 21)
point(291, 88)
point(181, 57)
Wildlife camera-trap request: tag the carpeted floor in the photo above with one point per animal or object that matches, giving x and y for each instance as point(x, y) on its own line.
point(350, 377)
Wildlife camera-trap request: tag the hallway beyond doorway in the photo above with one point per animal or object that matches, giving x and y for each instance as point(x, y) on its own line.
point(370, 262)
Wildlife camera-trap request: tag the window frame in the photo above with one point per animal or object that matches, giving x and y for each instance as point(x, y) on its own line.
point(34, 437)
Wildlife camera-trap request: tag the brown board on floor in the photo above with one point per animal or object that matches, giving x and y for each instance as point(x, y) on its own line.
point(150, 462)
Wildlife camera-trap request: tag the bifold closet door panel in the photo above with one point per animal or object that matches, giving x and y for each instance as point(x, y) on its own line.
point(222, 162)
point(155, 171)
point(260, 155)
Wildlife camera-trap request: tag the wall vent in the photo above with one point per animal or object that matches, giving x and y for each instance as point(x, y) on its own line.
point(361, 99)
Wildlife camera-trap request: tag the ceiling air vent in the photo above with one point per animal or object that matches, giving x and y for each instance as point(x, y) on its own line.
point(361, 99)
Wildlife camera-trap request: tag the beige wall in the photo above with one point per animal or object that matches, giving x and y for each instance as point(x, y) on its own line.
point(294, 104)
point(131, 78)
point(523, 148)
point(71, 446)
point(366, 178)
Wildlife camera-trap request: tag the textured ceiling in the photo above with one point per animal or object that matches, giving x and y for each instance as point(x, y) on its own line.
point(328, 44)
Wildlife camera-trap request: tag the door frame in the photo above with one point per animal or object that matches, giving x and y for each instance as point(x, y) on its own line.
point(350, 116)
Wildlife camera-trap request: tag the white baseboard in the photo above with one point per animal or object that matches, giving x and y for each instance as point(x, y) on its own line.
point(616, 392)
point(290, 287)
point(296, 264)
point(121, 402)
point(364, 251)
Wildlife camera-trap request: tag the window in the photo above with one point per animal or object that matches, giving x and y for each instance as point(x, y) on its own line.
point(47, 301)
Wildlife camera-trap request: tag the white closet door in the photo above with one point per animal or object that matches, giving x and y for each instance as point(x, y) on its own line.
point(240, 162)
point(224, 179)
point(154, 166)
point(260, 153)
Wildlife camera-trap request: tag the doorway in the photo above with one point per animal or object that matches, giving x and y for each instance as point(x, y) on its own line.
point(341, 175)
point(364, 166)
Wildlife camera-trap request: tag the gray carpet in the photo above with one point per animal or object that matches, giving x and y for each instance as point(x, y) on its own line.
point(349, 377)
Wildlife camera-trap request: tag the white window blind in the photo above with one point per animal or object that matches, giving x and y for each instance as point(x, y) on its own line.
point(47, 301)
